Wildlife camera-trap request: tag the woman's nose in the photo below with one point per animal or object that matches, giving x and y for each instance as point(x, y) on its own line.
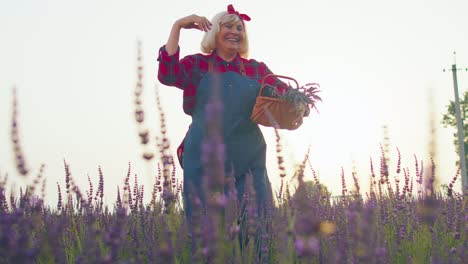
point(234, 30)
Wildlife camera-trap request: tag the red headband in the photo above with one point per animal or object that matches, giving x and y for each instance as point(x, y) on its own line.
point(231, 10)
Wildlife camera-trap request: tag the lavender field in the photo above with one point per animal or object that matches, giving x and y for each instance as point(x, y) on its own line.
point(401, 224)
point(392, 222)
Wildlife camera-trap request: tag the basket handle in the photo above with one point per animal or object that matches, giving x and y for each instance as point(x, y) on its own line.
point(262, 86)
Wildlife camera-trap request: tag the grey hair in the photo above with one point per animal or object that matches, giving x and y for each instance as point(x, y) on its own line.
point(208, 43)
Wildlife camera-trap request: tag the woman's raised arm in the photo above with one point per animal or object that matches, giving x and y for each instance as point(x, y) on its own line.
point(188, 22)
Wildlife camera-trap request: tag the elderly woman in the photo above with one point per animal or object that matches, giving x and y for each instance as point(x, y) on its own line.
point(225, 48)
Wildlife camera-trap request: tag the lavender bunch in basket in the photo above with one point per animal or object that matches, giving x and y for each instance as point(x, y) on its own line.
point(303, 98)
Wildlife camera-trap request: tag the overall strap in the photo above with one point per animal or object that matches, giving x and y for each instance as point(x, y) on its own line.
point(211, 66)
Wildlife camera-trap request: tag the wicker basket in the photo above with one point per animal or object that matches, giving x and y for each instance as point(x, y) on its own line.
point(274, 112)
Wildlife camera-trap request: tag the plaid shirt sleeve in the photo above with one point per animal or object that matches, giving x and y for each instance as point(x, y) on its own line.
point(183, 74)
point(173, 72)
point(258, 70)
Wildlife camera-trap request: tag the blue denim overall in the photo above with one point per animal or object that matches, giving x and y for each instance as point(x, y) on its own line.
point(245, 148)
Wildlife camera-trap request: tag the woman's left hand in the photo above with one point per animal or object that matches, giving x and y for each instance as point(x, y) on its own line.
point(304, 111)
point(297, 123)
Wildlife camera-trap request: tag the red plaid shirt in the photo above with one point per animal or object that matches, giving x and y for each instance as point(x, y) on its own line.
point(187, 73)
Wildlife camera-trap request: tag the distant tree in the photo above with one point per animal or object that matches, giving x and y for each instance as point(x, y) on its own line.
point(312, 190)
point(450, 119)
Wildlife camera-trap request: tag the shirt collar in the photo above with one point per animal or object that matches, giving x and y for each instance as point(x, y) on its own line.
point(218, 59)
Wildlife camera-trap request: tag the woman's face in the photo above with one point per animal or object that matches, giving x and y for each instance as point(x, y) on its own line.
point(230, 37)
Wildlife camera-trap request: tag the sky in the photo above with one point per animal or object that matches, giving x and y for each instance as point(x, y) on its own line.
point(378, 63)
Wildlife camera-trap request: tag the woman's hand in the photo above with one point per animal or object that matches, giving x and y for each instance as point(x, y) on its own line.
point(301, 111)
point(188, 22)
point(194, 21)
point(296, 123)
